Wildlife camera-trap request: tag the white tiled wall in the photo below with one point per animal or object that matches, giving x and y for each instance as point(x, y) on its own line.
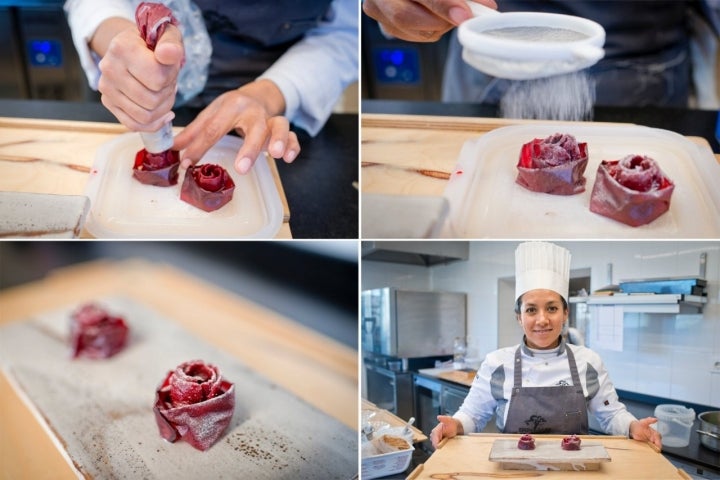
point(663, 355)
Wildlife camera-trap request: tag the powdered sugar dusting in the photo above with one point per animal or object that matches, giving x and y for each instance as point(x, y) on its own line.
point(561, 97)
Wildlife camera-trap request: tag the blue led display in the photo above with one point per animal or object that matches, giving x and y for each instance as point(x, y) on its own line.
point(44, 53)
point(397, 65)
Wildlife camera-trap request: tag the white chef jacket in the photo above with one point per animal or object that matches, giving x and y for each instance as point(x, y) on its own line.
point(312, 74)
point(491, 389)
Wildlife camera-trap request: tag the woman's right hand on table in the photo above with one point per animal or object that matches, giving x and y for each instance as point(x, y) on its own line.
point(447, 427)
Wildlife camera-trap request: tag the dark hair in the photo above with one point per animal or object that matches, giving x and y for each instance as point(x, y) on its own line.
point(518, 303)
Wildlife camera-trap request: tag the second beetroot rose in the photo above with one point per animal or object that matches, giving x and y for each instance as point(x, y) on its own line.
point(194, 403)
point(207, 187)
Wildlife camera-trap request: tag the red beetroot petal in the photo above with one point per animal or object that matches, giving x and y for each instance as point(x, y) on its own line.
point(210, 177)
point(151, 20)
point(613, 200)
point(193, 382)
point(201, 424)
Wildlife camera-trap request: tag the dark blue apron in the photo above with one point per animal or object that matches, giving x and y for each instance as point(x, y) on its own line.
point(539, 410)
point(249, 36)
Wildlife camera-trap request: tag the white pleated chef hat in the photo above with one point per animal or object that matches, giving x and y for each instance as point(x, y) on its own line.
point(542, 265)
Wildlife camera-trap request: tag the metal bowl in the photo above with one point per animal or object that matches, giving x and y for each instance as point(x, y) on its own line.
point(710, 430)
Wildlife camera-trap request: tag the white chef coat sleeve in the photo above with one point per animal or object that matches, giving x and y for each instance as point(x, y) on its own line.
point(314, 72)
point(610, 412)
point(84, 17)
point(479, 405)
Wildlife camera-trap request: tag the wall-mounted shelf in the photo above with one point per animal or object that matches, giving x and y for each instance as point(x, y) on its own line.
point(651, 303)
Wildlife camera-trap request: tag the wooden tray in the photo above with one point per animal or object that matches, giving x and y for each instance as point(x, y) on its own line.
point(467, 456)
point(548, 455)
point(55, 157)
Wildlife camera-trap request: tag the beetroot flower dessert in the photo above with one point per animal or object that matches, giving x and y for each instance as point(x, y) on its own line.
point(194, 403)
point(570, 443)
point(161, 168)
point(94, 333)
point(554, 165)
point(207, 187)
point(526, 442)
point(632, 190)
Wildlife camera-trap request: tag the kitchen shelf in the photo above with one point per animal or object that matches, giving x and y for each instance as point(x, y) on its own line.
point(651, 303)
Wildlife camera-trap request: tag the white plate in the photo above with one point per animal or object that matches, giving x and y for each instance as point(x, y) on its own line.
point(41, 215)
point(485, 201)
point(122, 207)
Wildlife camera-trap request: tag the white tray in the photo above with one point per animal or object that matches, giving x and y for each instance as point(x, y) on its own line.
point(485, 201)
point(122, 207)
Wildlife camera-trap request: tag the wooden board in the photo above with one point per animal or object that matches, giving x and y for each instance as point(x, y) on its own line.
point(467, 456)
point(55, 157)
point(548, 455)
point(319, 370)
point(100, 412)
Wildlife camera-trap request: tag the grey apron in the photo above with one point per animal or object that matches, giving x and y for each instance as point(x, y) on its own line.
point(250, 35)
point(538, 410)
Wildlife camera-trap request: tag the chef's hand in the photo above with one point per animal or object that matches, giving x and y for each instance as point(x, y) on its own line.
point(640, 430)
point(138, 85)
point(420, 20)
point(447, 428)
point(254, 111)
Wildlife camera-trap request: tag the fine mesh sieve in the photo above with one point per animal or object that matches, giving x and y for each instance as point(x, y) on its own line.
point(527, 45)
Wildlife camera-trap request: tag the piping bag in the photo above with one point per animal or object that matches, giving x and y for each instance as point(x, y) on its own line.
point(151, 20)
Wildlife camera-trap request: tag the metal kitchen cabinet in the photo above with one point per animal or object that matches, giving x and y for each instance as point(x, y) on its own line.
point(433, 398)
point(392, 391)
point(451, 398)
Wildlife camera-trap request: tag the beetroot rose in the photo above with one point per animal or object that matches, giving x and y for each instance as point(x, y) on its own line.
point(159, 169)
point(95, 333)
point(632, 190)
point(194, 403)
point(207, 187)
point(571, 443)
point(554, 165)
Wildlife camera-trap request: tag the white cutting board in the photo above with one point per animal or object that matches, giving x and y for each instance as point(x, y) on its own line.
point(122, 207)
point(548, 455)
point(100, 412)
point(485, 201)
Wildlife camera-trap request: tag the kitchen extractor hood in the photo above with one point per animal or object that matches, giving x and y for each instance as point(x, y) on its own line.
point(416, 253)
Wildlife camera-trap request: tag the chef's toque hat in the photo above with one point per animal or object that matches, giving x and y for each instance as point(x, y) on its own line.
point(542, 265)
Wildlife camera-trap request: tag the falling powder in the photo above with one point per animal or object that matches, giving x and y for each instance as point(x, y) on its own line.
point(559, 97)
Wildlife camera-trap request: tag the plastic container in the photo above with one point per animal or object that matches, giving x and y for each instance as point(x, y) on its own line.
point(386, 464)
point(674, 424)
point(122, 207)
point(487, 168)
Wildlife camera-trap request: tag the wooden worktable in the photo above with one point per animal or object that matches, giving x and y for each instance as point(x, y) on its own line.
point(56, 156)
point(317, 369)
point(466, 456)
point(415, 154)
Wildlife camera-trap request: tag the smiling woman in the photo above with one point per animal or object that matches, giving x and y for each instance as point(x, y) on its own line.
point(543, 385)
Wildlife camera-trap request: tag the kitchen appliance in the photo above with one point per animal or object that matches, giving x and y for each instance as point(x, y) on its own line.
point(408, 324)
point(710, 430)
point(40, 60)
point(389, 389)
